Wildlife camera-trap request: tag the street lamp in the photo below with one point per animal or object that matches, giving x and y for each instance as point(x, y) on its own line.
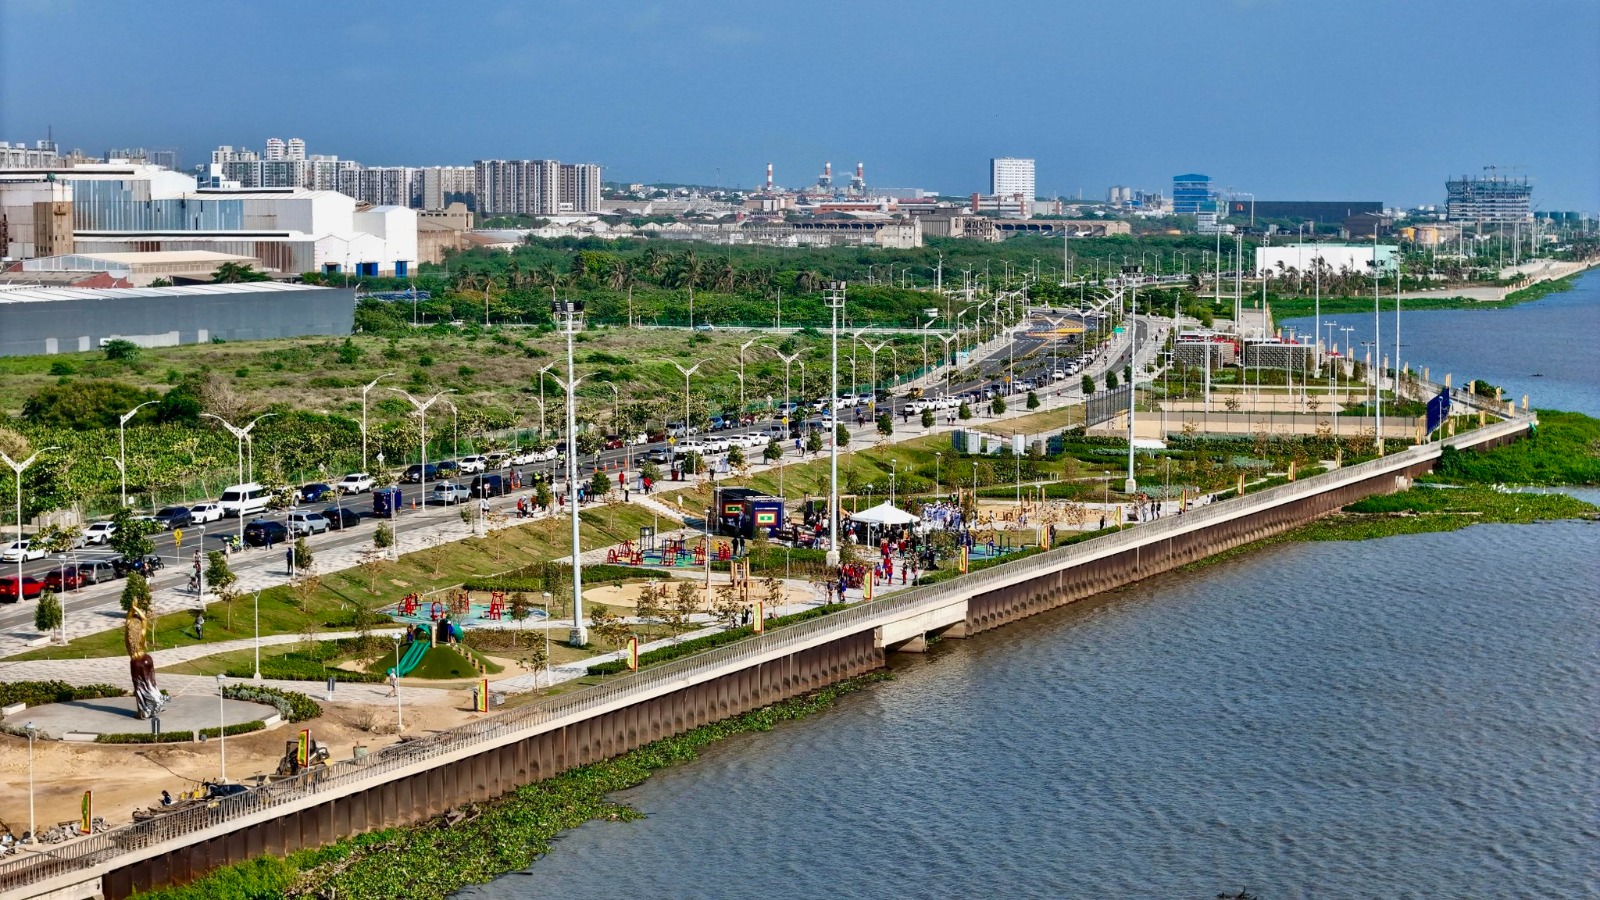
point(455, 429)
point(122, 446)
point(19, 468)
point(33, 824)
point(370, 386)
point(255, 615)
point(548, 676)
point(938, 488)
point(743, 347)
point(421, 407)
point(222, 729)
point(569, 313)
point(542, 370)
point(834, 297)
point(399, 713)
point(686, 373)
point(239, 435)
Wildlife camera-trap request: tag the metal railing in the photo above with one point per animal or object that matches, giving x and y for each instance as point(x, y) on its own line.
point(348, 775)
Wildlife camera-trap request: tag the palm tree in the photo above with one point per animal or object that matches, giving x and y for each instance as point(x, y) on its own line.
point(654, 264)
point(233, 273)
point(622, 278)
point(726, 277)
point(689, 270)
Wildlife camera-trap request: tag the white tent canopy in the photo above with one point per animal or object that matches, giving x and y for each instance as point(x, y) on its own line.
point(884, 514)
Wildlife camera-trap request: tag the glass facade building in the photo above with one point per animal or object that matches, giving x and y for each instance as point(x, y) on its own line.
point(1191, 194)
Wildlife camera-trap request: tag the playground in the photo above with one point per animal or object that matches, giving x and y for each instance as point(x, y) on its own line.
point(467, 609)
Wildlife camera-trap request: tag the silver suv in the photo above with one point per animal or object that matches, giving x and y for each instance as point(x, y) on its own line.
point(303, 522)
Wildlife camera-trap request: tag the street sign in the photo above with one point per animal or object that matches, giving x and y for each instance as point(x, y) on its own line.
point(177, 538)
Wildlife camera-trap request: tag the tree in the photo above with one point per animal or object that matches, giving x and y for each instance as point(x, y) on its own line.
point(1088, 385)
point(608, 627)
point(885, 424)
point(535, 658)
point(349, 353)
point(303, 557)
point(47, 616)
point(121, 350)
point(964, 411)
point(726, 605)
point(682, 605)
point(653, 601)
point(161, 282)
point(841, 435)
point(130, 535)
point(1111, 381)
point(542, 497)
point(927, 418)
point(383, 538)
point(1033, 400)
point(814, 441)
point(83, 405)
point(599, 486)
point(773, 451)
point(234, 273)
point(135, 591)
point(219, 577)
point(998, 405)
point(736, 458)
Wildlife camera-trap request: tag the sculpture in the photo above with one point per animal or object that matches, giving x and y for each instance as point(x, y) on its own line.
point(147, 697)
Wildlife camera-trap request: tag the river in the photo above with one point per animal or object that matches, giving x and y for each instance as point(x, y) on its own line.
point(1406, 717)
point(1545, 348)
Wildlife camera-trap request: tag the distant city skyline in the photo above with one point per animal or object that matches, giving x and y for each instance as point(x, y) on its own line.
point(1365, 100)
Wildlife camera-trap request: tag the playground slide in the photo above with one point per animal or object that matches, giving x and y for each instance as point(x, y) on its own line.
point(413, 657)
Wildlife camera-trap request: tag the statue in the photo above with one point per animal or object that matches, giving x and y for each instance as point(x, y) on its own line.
point(147, 698)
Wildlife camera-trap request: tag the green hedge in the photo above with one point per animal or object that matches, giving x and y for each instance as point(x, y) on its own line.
point(701, 644)
point(38, 693)
point(292, 706)
point(177, 737)
point(299, 667)
point(530, 579)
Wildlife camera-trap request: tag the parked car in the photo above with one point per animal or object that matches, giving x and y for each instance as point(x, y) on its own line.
point(30, 590)
point(97, 571)
point(303, 522)
point(206, 512)
point(417, 473)
point(524, 456)
point(21, 551)
point(614, 442)
point(242, 500)
point(261, 532)
point(498, 459)
point(341, 517)
point(355, 483)
point(145, 566)
point(315, 492)
point(64, 578)
point(489, 486)
point(100, 532)
point(171, 517)
point(473, 464)
point(446, 468)
point(448, 492)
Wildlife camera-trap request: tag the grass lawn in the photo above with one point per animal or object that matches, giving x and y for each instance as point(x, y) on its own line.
point(439, 663)
point(1049, 420)
point(327, 603)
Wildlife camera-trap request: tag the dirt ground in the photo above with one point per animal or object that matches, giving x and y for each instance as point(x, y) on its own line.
point(126, 777)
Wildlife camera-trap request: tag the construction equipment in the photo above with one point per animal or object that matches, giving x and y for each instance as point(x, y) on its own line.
point(289, 766)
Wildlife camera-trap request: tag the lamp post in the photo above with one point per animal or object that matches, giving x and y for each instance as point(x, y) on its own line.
point(569, 314)
point(938, 488)
point(686, 373)
point(834, 297)
point(542, 370)
point(455, 429)
point(399, 713)
point(369, 387)
point(950, 369)
point(222, 730)
point(1133, 370)
point(873, 403)
point(547, 674)
point(239, 435)
point(19, 468)
point(122, 446)
point(421, 407)
point(743, 347)
point(33, 824)
point(1377, 350)
point(894, 470)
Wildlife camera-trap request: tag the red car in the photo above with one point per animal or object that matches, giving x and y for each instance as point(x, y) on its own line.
point(65, 578)
point(31, 588)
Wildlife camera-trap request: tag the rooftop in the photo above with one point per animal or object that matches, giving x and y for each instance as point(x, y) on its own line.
point(51, 294)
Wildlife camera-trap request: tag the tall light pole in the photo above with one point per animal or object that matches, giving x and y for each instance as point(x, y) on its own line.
point(421, 407)
point(399, 712)
point(369, 387)
point(122, 446)
point(743, 347)
point(19, 468)
point(33, 823)
point(686, 373)
point(1377, 349)
point(239, 435)
point(938, 488)
point(455, 429)
point(542, 370)
point(873, 404)
point(949, 370)
point(834, 296)
point(547, 673)
point(1133, 370)
point(222, 730)
point(569, 314)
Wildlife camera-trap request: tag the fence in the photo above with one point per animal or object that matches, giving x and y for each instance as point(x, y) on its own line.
point(350, 775)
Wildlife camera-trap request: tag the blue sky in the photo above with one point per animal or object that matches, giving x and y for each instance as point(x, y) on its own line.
point(1288, 100)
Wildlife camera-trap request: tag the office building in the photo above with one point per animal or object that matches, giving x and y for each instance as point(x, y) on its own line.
point(1011, 177)
point(1489, 200)
point(1191, 194)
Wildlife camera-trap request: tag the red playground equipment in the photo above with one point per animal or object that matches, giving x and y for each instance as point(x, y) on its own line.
point(407, 605)
point(436, 611)
point(497, 605)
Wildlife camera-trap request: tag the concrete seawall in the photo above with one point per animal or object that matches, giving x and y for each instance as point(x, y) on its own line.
point(413, 782)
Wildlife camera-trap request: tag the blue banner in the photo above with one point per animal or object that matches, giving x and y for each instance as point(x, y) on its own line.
point(1438, 410)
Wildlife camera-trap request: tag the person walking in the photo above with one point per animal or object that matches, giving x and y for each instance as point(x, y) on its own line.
point(199, 625)
point(394, 683)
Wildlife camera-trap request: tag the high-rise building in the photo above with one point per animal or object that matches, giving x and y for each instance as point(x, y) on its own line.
point(274, 149)
point(1488, 200)
point(1009, 176)
point(1191, 194)
point(439, 186)
point(580, 187)
point(296, 149)
point(526, 187)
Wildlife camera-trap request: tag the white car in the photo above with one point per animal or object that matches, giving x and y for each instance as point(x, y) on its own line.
point(206, 512)
point(473, 464)
point(355, 483)
point(522, 458)
point(99, 532)
point(684, 448)
point(716, 445)
point(20, 551)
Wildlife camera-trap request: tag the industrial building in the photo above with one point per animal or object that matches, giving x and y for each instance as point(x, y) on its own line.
point(1488, 201)
point(1318, 212)
point(137, 269)
point(66, 320)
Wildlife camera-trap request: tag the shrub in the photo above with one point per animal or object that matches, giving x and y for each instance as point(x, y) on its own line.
point(38, 693)
point(174, 737)
point(300, 667)
point(47, 616)
point(699, 644)
point(292, 706)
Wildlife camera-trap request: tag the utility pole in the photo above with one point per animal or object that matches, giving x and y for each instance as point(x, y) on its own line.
point(834, 297)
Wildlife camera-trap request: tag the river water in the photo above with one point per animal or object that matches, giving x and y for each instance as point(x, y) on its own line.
point(1407, 717)
point(1546, 349)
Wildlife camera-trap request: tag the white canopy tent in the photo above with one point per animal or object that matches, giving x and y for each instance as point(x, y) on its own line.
point(884, 514)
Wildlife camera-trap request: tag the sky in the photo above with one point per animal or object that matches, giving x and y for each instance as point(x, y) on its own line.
point(1349, 100)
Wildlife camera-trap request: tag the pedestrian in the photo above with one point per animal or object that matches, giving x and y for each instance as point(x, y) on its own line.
point(288, 559)
point(626, 494)
point(394, 683)
point(200, 625)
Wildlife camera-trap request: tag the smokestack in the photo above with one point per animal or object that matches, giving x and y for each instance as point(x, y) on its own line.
point(769, 176)
point(827, 169)
point(858, 173)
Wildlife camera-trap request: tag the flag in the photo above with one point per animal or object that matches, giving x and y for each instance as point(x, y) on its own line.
point(481, 698)
point(761, 616)
point(1438, 410)
point(302, 750)
point(1241, 484)
point(86, 823)
point(1291, 470)
point(866, 587)
point(633, 654)
point(964, 553)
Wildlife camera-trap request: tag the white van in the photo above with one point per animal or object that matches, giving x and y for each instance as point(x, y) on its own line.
point(244, 500)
